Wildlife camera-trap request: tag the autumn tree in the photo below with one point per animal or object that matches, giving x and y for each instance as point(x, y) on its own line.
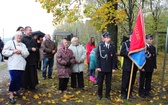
point(103, 14)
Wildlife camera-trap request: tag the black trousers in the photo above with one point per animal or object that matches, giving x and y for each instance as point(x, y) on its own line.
point(77, 78)
point(63, 83)
point(125, 81)
point(145, 82)
point(30, 79)
point(2, 57)
point(39, 65)
point(107, 81)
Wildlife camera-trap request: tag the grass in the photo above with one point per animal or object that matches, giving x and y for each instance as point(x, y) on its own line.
point(47, 92)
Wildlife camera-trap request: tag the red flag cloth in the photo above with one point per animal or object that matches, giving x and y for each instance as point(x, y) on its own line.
point(138, 34)
point(137, 44)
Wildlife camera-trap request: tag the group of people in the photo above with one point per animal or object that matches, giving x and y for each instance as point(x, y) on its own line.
point(145, 73)
point(26, 52)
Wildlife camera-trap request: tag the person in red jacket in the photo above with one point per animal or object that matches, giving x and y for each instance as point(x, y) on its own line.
point(89, 46)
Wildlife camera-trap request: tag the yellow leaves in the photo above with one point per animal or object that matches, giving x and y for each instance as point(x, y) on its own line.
point(118, 100)
point(44, 95)
point(24, 97)
point(78, 92)
point(7, 84)
point(71, 97)
point(156, 98)
point(79, 101)
point(49, 95)
point(164, 89)
point(151, 101)
point(39, 102)
point(64, 100)
point(164, 97)
point(1, 99)
point(36, 96)
point(139, 104)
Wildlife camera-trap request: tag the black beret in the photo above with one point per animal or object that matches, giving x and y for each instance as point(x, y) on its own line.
point(106, 34)
point(148, 36)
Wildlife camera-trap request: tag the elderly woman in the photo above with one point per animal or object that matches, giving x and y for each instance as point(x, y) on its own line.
point(64, 60)
point(16, 52)
point(80, 54)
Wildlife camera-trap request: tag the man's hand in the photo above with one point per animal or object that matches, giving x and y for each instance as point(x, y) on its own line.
point(79, 62)
point(53, 51)
point(98, 69)
point(154, 70)
point(33, 49)
point(113, 70)
point(143, 70)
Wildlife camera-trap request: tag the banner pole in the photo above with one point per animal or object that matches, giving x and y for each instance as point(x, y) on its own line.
point(130, 81)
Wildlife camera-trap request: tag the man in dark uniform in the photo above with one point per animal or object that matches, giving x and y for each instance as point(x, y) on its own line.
point(147, 70)
point(105, 64)
point(127, 70)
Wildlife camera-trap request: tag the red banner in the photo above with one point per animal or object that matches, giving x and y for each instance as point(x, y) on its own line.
point(138, 34)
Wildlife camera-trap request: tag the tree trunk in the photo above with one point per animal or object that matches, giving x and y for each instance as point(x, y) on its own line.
point(113, 28)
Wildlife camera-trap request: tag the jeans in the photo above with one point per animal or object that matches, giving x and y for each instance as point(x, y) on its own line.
point(47, 62)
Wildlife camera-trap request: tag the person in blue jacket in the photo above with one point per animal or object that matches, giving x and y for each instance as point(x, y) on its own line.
point(92, 65)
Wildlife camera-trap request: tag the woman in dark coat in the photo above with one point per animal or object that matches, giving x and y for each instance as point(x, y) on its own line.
point(64, 61)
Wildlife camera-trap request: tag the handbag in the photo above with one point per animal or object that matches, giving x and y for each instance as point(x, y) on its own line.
point(6, 58)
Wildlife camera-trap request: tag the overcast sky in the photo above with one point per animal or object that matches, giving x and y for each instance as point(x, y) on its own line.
point(14, 13)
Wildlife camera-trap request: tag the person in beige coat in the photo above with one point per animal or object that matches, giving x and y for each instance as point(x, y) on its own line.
point(77, 72)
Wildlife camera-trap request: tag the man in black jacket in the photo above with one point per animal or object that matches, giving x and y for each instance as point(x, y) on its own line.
point(30, 79)
point(106, 62)
point(147, 70)
point(127, 70)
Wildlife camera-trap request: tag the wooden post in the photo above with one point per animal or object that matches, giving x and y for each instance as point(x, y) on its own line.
point(130, 81)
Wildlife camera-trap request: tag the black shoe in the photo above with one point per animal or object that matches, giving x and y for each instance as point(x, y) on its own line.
point(49, 77)
point(142, 95)
point(33, 88)
point(99, 97)
point(123, 97)
point(108, 97)
point(148, 95)
point(132, 97)
point(12, 101)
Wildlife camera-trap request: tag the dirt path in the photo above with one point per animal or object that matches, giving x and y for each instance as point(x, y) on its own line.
point(4, 76)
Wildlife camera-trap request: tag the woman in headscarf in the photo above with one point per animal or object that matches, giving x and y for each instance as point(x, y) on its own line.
point(64, 61)
point(80, 54)
point(16, 52)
